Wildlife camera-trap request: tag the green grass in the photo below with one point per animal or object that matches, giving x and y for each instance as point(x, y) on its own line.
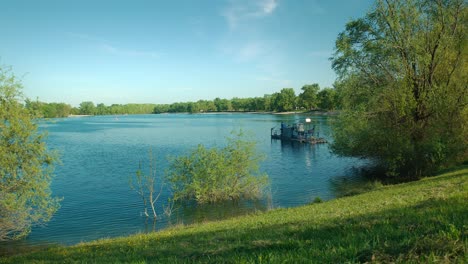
point(418, 222)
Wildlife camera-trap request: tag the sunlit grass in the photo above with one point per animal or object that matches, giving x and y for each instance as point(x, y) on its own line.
point(421, 222)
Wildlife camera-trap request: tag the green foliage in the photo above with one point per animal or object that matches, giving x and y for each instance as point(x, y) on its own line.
point(402, 81)
point(26, 165)
point(222, 105)
point(48, 110)
point(317, 200)
point(417, 222)
point(161, 108)
point(218, 174)
point(308, 97)
point(284, 100)
point(87, 108)
point(328, 99)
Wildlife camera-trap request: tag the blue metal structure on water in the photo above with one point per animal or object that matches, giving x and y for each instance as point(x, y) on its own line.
point(302, 132)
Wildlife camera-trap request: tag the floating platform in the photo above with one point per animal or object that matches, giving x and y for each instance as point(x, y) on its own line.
point(299, 132)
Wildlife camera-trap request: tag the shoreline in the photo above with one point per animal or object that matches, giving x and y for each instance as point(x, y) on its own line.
point(72, 116)
point(327, 113)
point(368, 215)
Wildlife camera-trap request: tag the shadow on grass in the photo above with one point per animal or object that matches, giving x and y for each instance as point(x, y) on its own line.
point(433, 229)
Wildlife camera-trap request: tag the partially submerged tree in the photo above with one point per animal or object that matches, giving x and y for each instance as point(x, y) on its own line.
point(403, 82)
point(145, 185)
point(26, 165)
point(218, 174)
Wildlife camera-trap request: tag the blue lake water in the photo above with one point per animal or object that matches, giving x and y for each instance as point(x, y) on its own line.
point(99, 154)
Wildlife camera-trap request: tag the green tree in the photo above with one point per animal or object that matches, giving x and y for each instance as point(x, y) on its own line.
point(217, 174)
point(75, 111)
point(63, 110)
point(193, 108)
point(87, 108)
point(285, 100)
point(205, 106)
point(34, 107)
point(178, 108)
point(48, 110)
point(161, 108)
point(328, 99)
point(101, 109)
point(222, 105)
point(308, 98)
point(402, 73)
point(26, 165)
point(237, 104)
point(267, 101)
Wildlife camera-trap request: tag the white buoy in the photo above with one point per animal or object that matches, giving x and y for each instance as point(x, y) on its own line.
point(308, 120)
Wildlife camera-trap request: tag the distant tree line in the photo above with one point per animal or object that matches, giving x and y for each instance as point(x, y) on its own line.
point(311, 98)
point(48, 110)
point(53, 110)
point(88, 108)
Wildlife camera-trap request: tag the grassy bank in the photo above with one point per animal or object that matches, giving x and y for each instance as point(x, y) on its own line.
point(424, 221)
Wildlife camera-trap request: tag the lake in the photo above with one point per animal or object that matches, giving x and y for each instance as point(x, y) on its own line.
point(100, 153)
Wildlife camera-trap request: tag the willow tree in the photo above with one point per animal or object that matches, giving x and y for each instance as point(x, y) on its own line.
point(25, 165)
point(402, 76)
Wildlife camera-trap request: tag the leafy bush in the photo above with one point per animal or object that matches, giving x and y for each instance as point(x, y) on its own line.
point(219, 174)
point(26, 165)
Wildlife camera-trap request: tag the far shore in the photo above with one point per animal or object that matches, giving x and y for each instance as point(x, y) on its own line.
point(78, 115)
point(308, 112)
point(238, 112)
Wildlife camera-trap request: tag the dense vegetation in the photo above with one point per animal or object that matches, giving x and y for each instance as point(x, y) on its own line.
point(312, 98)
point(417, 222)
point(25, 165)
point(403, 86)
point(53, 110)
point(219, 174)
point(49, 110)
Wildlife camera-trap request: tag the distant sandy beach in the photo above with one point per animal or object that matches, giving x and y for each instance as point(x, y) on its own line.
point(78, 115)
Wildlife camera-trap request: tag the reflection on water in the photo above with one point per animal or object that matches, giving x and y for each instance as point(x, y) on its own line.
point(358, 180)
point(100, 153)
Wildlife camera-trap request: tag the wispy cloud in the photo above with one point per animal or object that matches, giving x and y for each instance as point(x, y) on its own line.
point(268, 6)
point(105, 46)
point(248, 51)
point(240, 11)
point(128, 52)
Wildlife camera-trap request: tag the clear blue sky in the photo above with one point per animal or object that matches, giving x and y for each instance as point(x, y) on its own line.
point(169, 51)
